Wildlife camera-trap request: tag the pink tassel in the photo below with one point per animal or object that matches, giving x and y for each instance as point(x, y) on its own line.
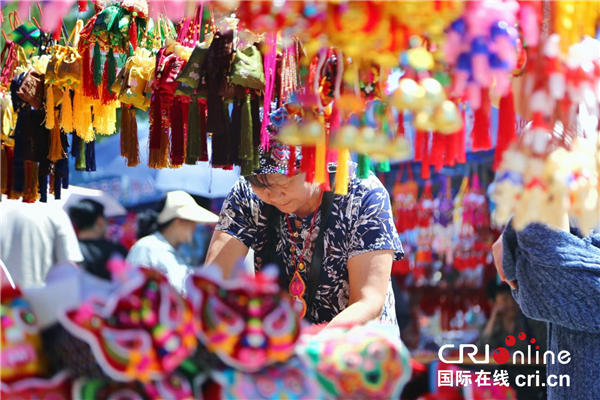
point(270, 72)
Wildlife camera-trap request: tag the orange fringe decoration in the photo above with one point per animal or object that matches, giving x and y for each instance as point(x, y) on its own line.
point(49, 107)
point(159, 158)
point(105, 117)
point(130, 147)
point(66, 112)
point(31, 193)
point(83, 119)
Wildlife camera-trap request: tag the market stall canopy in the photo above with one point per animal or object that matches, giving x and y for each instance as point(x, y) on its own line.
point(199, 180)
point(74, 194)
point(141, 184)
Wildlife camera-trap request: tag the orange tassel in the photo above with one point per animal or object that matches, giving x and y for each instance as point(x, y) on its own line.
point(130, 148)
point(31, 193)
point(66, 114)
point(341, 176)
point(49, 107)
point(56, 150)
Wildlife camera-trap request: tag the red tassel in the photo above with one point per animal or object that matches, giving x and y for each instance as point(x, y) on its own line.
point(57, 31)
point(451, 150)
point(426, 159)
point(177, 134)
point(89, 88)
point(506, 127)
point(107, 94)
point(308, 162)
point(401, 131)
point(156, 123)
point(438, 148)
point(481, 127)
point(83, 6)
point(133, 36)
point(419, 145)
point(292, 161)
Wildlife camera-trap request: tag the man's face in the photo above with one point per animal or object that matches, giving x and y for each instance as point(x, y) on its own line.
point(286, 193)
point(102, 224)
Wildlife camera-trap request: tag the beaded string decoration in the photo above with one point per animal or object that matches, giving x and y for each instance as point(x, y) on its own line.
point(297, 286)
point(289, 71)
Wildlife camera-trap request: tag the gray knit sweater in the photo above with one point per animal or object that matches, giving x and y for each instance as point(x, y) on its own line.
point(558, 276)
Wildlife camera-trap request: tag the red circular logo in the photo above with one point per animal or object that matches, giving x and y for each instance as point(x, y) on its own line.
point(501, 355)
point(510, 340)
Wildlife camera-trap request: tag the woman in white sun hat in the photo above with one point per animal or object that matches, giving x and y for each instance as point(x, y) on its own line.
point(163, 233)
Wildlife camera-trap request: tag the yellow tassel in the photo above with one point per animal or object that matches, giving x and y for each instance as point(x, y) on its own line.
point(49, 107)
point(56, 150)
point(66, 113)
point(321, 158)
point(78, 111)
point(86, 131)
point(341, 176)
point(105, 117)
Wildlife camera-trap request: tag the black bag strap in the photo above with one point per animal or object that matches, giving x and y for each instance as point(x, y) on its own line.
point(269, 252)
point(316, 263)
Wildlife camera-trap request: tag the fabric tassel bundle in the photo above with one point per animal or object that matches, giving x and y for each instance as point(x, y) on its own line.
point(56, 148)
point(364, 166)
point(246, 152)
point(481, 126)
point(130, 147)
point(307, 165)
point(193, 148)
point(506, 127)
point(178, 133)
point(422, 144)
point(66, 111)
point(31, 192)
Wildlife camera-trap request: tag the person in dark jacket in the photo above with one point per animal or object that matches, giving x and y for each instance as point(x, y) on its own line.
point(555, 277)
point(90, 224)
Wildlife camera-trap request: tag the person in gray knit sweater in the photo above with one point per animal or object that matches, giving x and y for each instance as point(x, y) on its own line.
point(555, 277)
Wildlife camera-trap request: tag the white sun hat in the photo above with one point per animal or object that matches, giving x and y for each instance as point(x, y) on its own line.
point(180, 204)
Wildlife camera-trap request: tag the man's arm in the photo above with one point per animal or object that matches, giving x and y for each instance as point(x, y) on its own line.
point(225, 251)
point(558, 275)
point(369, 276)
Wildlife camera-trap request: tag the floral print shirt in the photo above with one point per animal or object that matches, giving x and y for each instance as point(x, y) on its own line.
point(359, 222)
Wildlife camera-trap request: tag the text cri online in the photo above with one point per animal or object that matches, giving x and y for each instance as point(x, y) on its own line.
point(533, 380)
point(518, 357)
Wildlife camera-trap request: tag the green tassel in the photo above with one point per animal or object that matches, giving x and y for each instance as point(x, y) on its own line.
point(80, 161)
point(364, 166)
point(97, 65)
point(112, 67)
point(246, 140)
point(247, 169)
point(194, 147)
point(383, 166)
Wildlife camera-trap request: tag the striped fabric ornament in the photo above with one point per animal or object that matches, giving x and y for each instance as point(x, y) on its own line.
point(26, 35)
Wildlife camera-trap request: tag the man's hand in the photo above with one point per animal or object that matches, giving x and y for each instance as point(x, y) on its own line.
point(497, 252)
